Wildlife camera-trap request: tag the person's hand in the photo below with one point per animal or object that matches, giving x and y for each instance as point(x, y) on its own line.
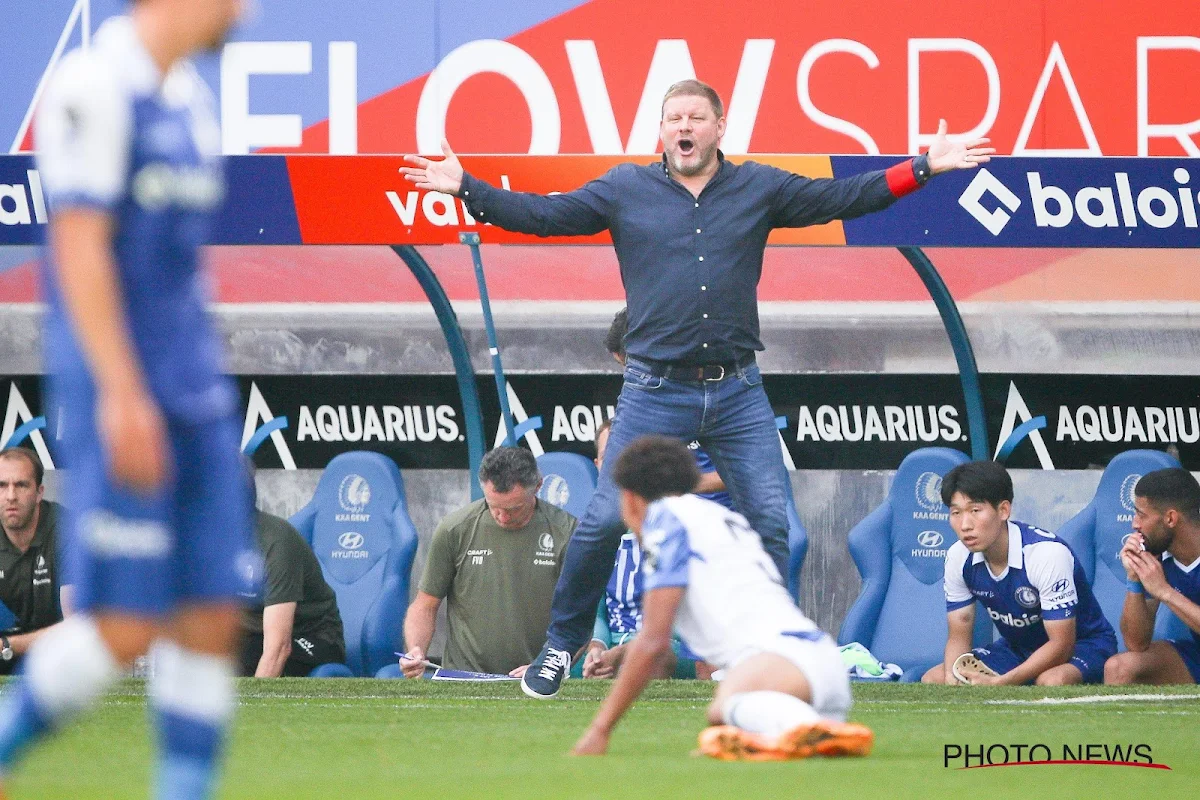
point(591, 661)
point(945, 155)
point(134, 436)
point(518, 672)
point(435, 176)
point(412, 664)
point(1134, 544)
point(594, 742)
point(1148, 570)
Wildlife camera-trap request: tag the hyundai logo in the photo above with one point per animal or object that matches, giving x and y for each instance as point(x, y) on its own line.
point(930, 539)
point(350, 540)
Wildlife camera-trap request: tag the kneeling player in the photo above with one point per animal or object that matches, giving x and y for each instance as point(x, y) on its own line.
point(1160, 560)
point(1052, 631)
point(785, 692)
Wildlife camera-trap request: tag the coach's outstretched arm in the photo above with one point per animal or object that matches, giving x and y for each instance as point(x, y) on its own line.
point(582, 212)
point(799, 201)
point(645, 652)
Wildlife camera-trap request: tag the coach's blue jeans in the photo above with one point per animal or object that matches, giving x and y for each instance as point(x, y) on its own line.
point(735, 425)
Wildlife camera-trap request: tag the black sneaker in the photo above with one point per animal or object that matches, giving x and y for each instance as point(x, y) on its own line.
point(546, 673)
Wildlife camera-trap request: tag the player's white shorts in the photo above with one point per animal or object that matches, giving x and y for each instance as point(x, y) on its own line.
point(820, 661)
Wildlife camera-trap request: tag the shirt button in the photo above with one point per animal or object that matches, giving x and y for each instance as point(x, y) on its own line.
point(704, 288)
point(706, 344)
point(701, 258)
point(697, 230)
point(697, 205)
point(468, 194)
point(706, 316)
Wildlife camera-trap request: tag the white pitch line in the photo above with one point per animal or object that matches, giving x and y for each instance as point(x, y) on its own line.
point(1092, 698)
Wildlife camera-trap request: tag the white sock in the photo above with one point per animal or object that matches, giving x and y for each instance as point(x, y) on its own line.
point(69, 667)
point(768, 713)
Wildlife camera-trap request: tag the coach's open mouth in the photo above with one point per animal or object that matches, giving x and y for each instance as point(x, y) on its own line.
point(686, 147)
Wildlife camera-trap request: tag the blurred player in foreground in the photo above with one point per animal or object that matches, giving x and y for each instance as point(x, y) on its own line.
point(1160, 560)
point(160, 527)
point(785, 693)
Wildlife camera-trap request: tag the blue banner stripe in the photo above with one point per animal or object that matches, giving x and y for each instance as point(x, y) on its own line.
point(531, 424)
point(1015, 438)
point(264, 430)
point(19, 435)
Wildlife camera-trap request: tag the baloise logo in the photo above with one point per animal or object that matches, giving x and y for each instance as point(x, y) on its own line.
point(1111, 204)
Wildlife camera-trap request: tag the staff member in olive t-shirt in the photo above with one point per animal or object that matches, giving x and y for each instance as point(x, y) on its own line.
point(29, 580)
point(495, 563)
point(292, 623)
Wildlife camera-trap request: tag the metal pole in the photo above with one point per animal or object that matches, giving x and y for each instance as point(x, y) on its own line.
point(467, 390)
point(471, 240)
point(968, 371)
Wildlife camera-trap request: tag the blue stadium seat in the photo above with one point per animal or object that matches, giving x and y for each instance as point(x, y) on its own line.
point(7, 618)
point(568, 481)
point(900, 551)
point(358, 525)
point(1096, 534)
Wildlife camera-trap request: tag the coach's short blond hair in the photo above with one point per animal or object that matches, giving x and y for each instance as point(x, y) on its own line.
point(695, 88)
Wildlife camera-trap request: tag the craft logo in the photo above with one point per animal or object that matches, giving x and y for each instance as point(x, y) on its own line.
point(973, 756)
point(1108, 206)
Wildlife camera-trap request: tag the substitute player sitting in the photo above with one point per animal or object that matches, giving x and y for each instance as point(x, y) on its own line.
point(1160, 561)
point(1052, 631)
point(785, 694)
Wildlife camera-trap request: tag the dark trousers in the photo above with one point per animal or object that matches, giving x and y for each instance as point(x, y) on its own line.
point(307, 654)
point(733, 420)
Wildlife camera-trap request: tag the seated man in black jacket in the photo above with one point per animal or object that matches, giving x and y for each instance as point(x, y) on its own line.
point(29, 578)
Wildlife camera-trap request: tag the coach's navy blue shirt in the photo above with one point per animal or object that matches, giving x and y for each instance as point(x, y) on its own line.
point(691, 265)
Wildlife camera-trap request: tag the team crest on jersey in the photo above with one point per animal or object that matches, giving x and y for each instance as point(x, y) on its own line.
point(546, 542)
point(1027, 596)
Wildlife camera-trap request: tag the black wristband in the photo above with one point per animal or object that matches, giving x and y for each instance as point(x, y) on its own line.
point(921, 170)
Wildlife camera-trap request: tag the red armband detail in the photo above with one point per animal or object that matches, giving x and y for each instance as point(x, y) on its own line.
point(901, 180)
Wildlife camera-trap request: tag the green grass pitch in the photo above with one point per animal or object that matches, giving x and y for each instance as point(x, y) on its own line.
point(406, 739)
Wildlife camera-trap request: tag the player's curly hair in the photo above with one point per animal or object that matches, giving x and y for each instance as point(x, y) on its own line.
point(656, 466)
